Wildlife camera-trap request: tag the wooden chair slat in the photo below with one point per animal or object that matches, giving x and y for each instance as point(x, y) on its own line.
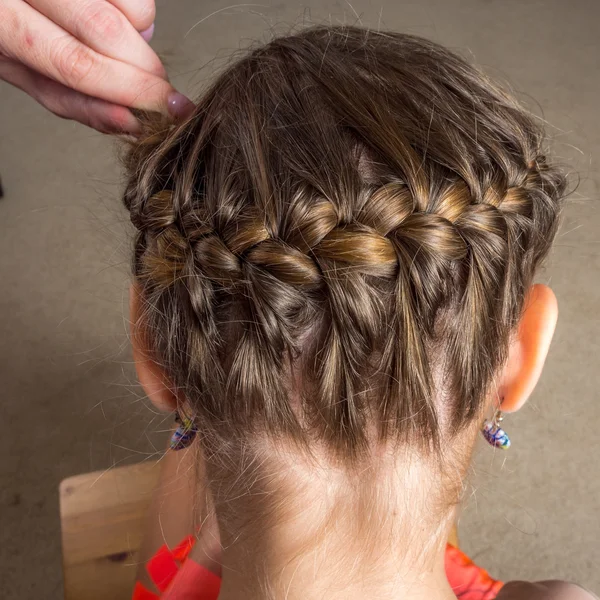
point(102, 516)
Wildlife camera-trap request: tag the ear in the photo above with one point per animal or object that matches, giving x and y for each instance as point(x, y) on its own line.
point(528, 351)
point(150, 374)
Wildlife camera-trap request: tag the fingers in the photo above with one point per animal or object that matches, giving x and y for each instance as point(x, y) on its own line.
point(29, 37)
point(104, 28)
point(65, 102)
point(148, 33)
point(140, 13)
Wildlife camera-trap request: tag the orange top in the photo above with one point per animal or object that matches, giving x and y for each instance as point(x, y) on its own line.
point(181, 578)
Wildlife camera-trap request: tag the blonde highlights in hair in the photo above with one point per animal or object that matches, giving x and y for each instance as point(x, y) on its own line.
point(345, 209)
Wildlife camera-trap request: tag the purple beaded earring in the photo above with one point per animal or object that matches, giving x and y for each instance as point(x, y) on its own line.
point(494, 434)
point(185, 433)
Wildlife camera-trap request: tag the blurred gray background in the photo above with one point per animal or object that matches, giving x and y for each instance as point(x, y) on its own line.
point(69, 399)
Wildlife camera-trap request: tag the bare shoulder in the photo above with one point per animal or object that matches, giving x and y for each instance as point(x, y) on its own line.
point(544, 590)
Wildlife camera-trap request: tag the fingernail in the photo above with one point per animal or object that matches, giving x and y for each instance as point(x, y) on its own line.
point(180, 107)
point(148, 33)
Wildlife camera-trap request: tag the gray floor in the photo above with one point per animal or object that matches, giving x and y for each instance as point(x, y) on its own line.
point(69, 400)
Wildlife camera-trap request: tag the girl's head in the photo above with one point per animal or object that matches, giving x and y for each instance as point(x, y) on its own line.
point(334, 262)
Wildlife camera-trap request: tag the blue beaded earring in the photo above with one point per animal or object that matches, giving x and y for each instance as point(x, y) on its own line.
point(185, 433)
point(494, 434)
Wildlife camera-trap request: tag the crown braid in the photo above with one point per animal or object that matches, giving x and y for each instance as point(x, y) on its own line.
point(317, 228)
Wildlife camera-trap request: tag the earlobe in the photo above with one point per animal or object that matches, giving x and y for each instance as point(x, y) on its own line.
point(529, 349)
point(150, 374)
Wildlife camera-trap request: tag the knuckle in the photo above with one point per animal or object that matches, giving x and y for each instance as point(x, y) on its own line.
point(90, 115)
point(58, 111)
point(56, 104)
point(75, 62)
point(98, 123)
point(104, 21)
point(11, 29)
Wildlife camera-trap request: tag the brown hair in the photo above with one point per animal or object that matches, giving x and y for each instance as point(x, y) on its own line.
point(345, 212)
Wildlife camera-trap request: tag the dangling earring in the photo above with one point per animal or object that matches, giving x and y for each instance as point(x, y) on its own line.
point(494, 434)
point(185, 433)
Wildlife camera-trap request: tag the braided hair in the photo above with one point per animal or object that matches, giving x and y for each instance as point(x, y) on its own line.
point(346, 212)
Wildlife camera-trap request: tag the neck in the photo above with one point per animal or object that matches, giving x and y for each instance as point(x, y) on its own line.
point(302, 586)
point(314, 575)
point(321, 533)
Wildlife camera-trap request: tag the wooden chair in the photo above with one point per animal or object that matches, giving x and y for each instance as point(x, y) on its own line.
point(102, 516)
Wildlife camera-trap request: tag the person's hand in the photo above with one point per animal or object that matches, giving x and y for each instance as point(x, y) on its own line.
point(87, 60)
